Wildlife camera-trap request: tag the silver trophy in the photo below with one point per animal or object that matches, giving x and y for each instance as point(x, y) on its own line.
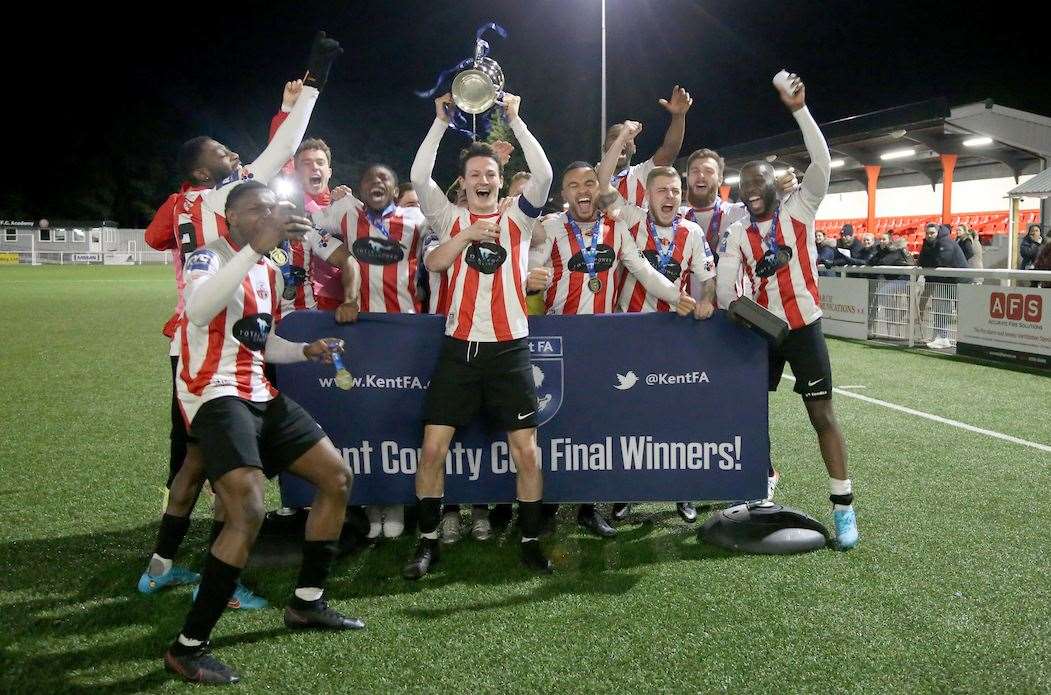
point(478, 88)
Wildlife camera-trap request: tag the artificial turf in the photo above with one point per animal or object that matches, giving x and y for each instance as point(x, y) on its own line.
point(947, 592)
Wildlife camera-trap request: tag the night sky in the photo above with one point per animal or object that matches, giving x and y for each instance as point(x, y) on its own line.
point(101, 100)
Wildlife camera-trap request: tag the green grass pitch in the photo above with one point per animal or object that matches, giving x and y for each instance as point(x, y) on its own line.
point(947, 592)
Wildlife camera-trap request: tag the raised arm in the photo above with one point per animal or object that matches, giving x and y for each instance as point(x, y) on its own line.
point(607, 194)
point(677, 106)
point(815, 182)
point(433, 202)
point(539, 184)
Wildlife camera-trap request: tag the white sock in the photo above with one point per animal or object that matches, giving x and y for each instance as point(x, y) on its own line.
point(309, 593)
point(158, 566)
point(840, 487)
point(526, 540)
point(187, 642)
point(841, 507)
point(431, 536)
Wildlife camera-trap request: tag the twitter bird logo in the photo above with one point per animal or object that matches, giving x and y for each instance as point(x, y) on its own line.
point(626, 381)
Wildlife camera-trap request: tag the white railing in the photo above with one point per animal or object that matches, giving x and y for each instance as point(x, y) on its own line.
point(911, 309)
point(36, 257)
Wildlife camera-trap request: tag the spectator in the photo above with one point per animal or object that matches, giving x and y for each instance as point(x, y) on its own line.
point(891, 251)
point(848, 242)
point(971, 246)
point(1043, 262)
point(1029, 247)
point(939, 251)
point(826, 252)
point(868, 247)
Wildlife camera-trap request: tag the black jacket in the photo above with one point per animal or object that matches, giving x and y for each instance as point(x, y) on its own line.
point(895, 254)
point(1028, 249)
point(943, 252)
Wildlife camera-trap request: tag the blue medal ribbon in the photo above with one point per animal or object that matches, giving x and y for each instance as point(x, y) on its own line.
point(589, 254)
point(377, 220)
point(663, 254)
point(771, 235)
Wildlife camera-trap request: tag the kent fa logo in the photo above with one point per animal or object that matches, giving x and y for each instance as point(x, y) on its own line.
point(486, 257)
point(376, 251)
point(545, 354)
point(252, 331)
point(1015, 306)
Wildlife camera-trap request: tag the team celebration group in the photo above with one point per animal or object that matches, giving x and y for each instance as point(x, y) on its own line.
point(624, 238)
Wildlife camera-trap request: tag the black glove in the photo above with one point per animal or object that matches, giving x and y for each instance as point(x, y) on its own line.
point(770, 262)
point(323, 53)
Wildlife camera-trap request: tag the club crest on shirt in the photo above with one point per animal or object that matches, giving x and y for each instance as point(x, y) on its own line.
point(376, 251)
point(253, 330)
point(486, 257)
point(262, 291)
point(604, 257)
point(673, 271)
point(545, 357)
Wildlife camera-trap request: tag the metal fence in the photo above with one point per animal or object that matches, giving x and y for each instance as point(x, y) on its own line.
point(33, 257)
point(905, 306)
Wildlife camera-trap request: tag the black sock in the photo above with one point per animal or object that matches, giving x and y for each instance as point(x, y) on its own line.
point(169, 537)
point(428, 513)
point(217, 528)
point(317, 559)
point(530, 515)
point(217, 585)
point(451, 509)
point(845, 500)
point(585, 510)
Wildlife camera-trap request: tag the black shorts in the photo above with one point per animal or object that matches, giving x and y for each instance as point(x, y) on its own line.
point(495, 379)
point(805, 351)
point(179, 438)
point(234, 433)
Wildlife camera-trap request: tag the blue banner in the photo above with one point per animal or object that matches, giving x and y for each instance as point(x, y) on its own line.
point(633, 407)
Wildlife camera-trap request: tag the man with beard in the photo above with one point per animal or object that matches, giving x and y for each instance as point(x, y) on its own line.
point(484, 364)
point(704, 177)
point(630, 180)
point(674, 246)
point(776, 248)
point(585, 250)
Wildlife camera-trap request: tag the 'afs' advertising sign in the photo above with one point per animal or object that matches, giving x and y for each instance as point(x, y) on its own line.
point(1005, 324)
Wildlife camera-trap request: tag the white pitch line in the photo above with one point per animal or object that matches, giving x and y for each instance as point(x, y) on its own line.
point(938, 418)
point(854, 386)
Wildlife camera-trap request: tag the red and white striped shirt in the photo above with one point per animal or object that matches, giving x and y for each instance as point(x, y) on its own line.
point(728, 213)
point(569, 293)
point(792, 291)
point(630, 183)
point(387, 249)
point(314, 246)
point(438, 283)
point(487, 281)
point(691, 258)
point(225, 358)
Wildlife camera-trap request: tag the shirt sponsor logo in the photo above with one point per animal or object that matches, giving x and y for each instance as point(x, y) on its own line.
point(604, 258)
point(486, 257)
point(376, 251)
point(673, 271)
point(252, 331)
